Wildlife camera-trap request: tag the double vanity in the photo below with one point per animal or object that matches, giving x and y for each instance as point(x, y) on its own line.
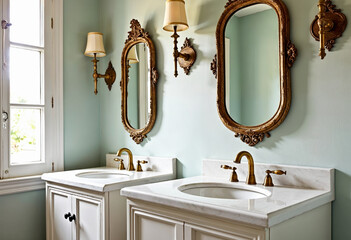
point(108, 203)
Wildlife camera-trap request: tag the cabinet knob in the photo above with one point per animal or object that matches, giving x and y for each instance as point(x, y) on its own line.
point(67, 215)
point(71, 218)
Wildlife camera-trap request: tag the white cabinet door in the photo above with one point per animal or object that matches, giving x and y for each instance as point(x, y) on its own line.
point(74, 216)
point(152, 227)
point(194, 232)
point(59, 204)
point(89, 220)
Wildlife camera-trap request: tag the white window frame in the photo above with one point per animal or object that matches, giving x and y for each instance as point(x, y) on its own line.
point(11, 178)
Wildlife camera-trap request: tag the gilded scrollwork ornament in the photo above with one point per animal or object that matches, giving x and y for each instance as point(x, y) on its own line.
point(292, 54)
point(214, 66)
point(251, 138)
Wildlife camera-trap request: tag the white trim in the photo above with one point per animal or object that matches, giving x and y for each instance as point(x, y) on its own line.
point(21, 184)
point(58, 86)
point(227, 74)
point(54, 151)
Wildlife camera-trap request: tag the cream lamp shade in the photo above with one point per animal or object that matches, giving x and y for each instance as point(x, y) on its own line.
point(95, 44)
point(132, 55)
point(175, 16)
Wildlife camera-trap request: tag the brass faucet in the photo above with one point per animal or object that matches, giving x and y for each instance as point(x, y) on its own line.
point(233, 176)
point(121, 164)
point(251, 174)
point(139, 168)
point(130, 165)
point(268, 182)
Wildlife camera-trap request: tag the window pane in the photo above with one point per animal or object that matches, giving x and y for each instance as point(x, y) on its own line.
point(25, 135)
point(25, 76)
point(25, 16)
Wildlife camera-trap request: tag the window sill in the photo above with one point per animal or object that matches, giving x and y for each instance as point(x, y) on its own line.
point(21, 184)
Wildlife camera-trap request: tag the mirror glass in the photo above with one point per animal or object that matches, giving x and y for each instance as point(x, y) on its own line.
point(252, 76)
point(138, 87)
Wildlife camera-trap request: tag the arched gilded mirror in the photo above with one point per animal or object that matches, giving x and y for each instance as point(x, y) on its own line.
point(252, 66)
point(138, 83)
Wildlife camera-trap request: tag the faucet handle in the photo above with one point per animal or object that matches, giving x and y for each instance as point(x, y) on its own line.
point(233, 176)
point(268, 182)
point(139, 168)
point(121, 165)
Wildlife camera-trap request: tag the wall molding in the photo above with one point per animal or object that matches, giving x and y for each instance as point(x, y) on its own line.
point(21, 184)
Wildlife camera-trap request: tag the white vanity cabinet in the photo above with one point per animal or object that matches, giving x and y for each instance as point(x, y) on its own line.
point(149, 221)
point(298, 207)
point(77, 214)
point(86, 204)
point(147, 226)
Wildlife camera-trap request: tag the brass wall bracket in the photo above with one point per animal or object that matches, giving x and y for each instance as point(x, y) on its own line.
point(109, 76)
point(185, 57)
point(189, 52)
point(328, 25)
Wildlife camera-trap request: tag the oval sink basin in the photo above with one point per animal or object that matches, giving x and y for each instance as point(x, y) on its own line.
point(102, 175)
point(222, 190)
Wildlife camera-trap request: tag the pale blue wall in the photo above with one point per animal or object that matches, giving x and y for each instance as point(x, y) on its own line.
point(22, 216)
point(254, 72)
point(133, 96)
point(259, 54)
point(315, 132)
point(232, 32)
point(81, 106)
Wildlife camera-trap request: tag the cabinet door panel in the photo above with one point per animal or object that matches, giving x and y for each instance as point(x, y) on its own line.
point(60, 204)
point(152, 227)
point(89, 222)
point(193, 232)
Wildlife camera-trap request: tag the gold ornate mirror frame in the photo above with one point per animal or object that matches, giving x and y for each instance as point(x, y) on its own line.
point(135, 36)
point(287, 54)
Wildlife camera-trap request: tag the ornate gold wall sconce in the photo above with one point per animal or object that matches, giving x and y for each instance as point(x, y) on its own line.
point(95, 48)
point(328, 25)
point(175, 20)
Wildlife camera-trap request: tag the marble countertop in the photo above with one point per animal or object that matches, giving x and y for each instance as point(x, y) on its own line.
point(284, 202)
point(157, 169)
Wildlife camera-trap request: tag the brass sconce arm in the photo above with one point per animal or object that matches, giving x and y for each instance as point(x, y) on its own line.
point(109, 76)
point(325, 25)
point(328, 25)
point(175, 50)
point(186, 57)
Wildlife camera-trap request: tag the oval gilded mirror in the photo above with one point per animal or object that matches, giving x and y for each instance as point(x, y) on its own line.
point(253, 67)
point(138, 83)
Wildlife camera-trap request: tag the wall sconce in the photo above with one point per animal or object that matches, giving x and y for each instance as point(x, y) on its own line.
point(132, 56)
point(327, 26)
point(95, 48)
point(175, 20)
